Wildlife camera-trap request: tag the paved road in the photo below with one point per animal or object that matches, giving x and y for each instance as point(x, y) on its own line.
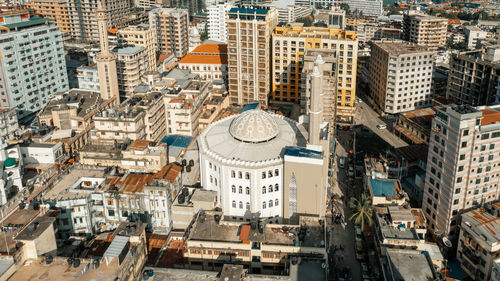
point(367, 116)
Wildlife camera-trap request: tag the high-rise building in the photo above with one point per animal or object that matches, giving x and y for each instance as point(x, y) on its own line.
point(474, 77)
point(424, 30)
point(336, 18)
point(32, 64)
point(131, 65)
point(366, 8)
point(216, 26)
point(193, 7)
point(400, 76)
point(106, 60)
point(171, 27)
point(472, 35)
point(249, 57)
point(291, 42)
point(82, 16)
point(53, 9)
point(462, 164)
point(142, 36)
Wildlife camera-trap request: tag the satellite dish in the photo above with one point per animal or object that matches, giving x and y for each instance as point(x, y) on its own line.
point(447, 242)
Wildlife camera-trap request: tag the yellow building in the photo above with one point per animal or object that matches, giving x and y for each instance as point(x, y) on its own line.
point(53, 9)
point(291, 42)
point(144, 36)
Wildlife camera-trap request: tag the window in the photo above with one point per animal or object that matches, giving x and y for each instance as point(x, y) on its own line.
point(276, 172)
point(270, 174)
point(464, 144)
point(233, 188)
point(233, 174)
point(479, 170)
point(264, 205)
point(240, 189)
point(111, 213)
point(486, 179)
point(492, 146)
point(270, 188)
point(263, 190)
point(459, 179)
point(247, 176)
point(240, 175)
point(270, 203)
point(263, 175)
point(276, 202)
point(241, 205)
point(483, 147)
point(455, 202)
point(248, 206)
point(457, 191)
point(247, 190)
point(234, 204)
point(460, 168)
point(490, 157)
point(462, 156)
point(276, 187)
point(466, 132)
point(481, 159)
point(485, 136)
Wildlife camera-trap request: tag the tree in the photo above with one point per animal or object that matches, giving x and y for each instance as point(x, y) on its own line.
point(363, 211)
point(345, 7)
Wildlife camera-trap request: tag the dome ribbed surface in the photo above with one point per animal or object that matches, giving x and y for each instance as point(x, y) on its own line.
point(254, 126)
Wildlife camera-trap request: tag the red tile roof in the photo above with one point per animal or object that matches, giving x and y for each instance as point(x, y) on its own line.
point(490, 117)
point(207, 54)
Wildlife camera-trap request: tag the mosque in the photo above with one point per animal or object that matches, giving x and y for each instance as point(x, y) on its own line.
point(266, 165)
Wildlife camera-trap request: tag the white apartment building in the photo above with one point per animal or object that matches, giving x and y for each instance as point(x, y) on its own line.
point(462, 164)
point(217, 27)
point(368, 8)
point(131, 65)
point(472, 35)
point(400, 76)
point(88, 78)
point(141, 35)
point(8, 123)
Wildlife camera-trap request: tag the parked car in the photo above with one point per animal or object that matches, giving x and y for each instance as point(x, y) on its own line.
point(381, 126)
point(342, 162)
point(350, 172)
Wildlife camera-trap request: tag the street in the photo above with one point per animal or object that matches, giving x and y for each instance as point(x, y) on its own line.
point(369, 118)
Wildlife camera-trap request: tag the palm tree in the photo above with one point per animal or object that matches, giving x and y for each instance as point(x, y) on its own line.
point(363, 211)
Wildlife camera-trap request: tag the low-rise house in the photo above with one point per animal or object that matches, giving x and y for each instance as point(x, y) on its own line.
point(212, 241)
point(400, 227)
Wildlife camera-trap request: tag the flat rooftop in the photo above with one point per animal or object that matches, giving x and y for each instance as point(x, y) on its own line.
point(82, 100)
point(273, 234)
point(409, 265)
point(61, 189)
point(484, 223)
point(398, 48)
point(128, 50)
point(39, 225)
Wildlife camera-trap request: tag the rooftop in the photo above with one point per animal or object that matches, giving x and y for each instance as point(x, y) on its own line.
point(490, 116)
point(36, 228)
point(409, 265)
point(297, 151)
point(128, 50)
point(82, 100)
point(32, 22)
point(484, 223)
point(308, 234)
point(177, 140)
point(62, 188)
point(398, 48)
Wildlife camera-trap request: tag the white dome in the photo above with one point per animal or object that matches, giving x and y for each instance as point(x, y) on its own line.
point(254, 126)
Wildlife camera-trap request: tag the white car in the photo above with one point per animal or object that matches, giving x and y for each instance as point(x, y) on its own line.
point(381, 126)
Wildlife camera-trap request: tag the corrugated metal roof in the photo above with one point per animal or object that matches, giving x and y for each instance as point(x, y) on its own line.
point(116, 247)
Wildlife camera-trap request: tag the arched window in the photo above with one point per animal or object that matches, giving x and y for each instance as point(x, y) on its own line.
point(241, 205)
point(270, 188)
point(276, 187)
point(240, 189)
point(276, 202)
point(276, 172)
point(248, 190)
point(211, 179)
point(234, 204)
point(264, 205)
point(215, 181)
point(263, 190)
point(270, 174)
point(247, 175)
point(248, 206)
point(233, 174)
point(240, 175)
point(233, 189)
point(270, 203)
